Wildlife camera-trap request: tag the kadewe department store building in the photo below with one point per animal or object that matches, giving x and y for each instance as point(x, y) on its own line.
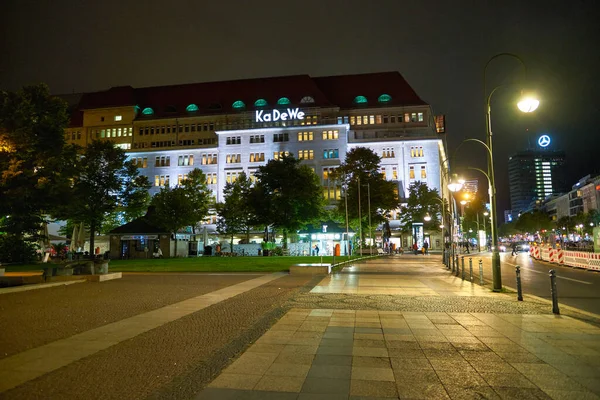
point(225, 128)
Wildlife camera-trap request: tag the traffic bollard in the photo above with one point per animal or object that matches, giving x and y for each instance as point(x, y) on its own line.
point(452, 262)
point(481, 272)
point(471, 269)
point(462, 261)
point(519, 289)
point(457, 266)
point(555, 309)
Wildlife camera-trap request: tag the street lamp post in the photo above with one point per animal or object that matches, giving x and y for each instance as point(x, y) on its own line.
point(369, 208)
point(525, 105)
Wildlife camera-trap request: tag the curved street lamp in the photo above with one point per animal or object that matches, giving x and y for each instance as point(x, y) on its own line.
point(527, 104)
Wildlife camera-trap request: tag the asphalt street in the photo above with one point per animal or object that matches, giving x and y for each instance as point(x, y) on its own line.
point(576, 287)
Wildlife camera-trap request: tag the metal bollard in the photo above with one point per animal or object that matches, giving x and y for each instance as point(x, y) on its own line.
point(462, 261)
point(519, 289)
point(457, 266)
point(471, 269)
point(481, 272)
point(555, 309)
point(452, 262)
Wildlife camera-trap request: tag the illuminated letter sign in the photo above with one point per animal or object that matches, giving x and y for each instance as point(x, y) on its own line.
point(544, 141)
point(276, 115)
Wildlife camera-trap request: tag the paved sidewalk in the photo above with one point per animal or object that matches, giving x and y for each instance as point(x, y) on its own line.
point(30, 364)
point(404, 338)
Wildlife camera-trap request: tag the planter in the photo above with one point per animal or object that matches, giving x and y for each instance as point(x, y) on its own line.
point(1, 271)
point(101, 268)
point(63, 271)
point(88, 268)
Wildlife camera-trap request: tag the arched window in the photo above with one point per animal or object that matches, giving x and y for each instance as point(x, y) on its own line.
point(283, 101)
point(360, 100)
point(148, 111)
point(192, 108)
point(307, 99)
point(260, 103)
point(384, 98)
point(214, 106)
point(170, 109)
point(238, 105)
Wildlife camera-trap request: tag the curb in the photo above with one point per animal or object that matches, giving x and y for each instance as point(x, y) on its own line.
point(542, 300)
point(25, 288)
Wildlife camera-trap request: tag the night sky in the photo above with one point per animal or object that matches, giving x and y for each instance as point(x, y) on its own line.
point(440, 47)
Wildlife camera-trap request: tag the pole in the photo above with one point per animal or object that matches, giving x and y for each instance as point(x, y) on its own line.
point(462, 261)
point(471, 269)
point(519, 289)
point(369, 204)
point(555, 309)
point(347, 228)
point(360, 222)
point(481, 272)
point(496, 272)
point(478, 238)
point(457, 266)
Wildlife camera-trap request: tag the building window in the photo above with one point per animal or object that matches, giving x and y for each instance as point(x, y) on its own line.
point(413, 117)
point(257, 157)
point(233, 158)
point(420, 117)
point(211, 178)
point(305, 136)
point(234, 140)
point(280, 154)
point(423, 172)
point(331, 153)
point(416, 151)
point(383, 173)
point(395, 173)
point(118, 117)
point(181, 178)
point(327, 173)
point(257, 139)
point(411, 172)
point(378, 119)
point(161, 180)
point(162, 161)
point(388, 152)
point(330, 135)
point(306, 154)
point(231, 177)
point(281, 137)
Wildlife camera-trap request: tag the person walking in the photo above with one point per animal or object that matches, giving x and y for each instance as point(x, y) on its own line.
point(415, 248)
point(426, 247)
point(513, 246)
point(467, 247)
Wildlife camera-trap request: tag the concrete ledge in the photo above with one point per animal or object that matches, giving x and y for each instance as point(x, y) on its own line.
point(310, 269)
point(103, 277)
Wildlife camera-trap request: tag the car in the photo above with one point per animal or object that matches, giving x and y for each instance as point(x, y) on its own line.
point(502, 247)
point(522, 246)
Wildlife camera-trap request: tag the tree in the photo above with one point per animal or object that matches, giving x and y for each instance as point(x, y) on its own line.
point(35, 163)
point(236, 212)
point(421, 201)
point(533, 221)
point(362, 165)
point(106, 182)
point(287, 195)
point(184, 205)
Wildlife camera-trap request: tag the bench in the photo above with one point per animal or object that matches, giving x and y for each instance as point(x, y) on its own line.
point(310, 269)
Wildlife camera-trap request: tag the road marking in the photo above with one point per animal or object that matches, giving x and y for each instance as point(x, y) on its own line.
point(559, 277)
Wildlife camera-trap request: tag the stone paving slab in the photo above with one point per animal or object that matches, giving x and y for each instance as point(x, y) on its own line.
point(506, 356)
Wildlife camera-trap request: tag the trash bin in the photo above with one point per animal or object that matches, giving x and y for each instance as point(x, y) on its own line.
point(207, 251)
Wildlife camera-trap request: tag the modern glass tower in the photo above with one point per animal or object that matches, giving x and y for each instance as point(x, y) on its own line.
point(533, 176)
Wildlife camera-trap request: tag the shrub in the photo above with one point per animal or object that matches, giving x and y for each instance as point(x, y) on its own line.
point(15, 250)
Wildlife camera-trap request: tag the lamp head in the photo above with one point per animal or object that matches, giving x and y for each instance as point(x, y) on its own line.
point(455, 183)
point(485, 213)
point(463, 202)
point(427, 217)
point(528, 104)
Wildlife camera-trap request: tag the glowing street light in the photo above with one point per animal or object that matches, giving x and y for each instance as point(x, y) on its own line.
point(427, 217)
point(528, 104)
point(456, 183)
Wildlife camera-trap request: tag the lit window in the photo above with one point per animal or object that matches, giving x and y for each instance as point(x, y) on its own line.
point(260, 103)
point(371, 119)
point(378, 119)
point(360, 100)
point(384, 98)
point(352, 120)
point(423, 172)
point(305, 136)
point(413, 117)
point(411, 172)
point(238, 105)
point(383, 173)
point(118, 117)
point(283, 101)
point(330, 135)
point(420, 117)
point(156, 180)
point(191, 108)
point(394, 173)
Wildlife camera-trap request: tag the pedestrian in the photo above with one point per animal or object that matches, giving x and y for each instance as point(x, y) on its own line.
point(513, 246)
point(415, 248)
point(426, 247)
point(467, 247)
point(316, 250)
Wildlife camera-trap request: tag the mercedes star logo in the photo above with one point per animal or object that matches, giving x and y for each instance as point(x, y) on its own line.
point(544, 141)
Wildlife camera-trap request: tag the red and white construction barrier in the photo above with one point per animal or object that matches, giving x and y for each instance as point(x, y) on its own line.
point(579, 259)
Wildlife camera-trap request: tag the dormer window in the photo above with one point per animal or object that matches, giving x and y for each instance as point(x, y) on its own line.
point(307, 100)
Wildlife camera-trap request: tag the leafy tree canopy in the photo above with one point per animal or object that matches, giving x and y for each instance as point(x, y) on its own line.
point(421, 201)
point(236, 212)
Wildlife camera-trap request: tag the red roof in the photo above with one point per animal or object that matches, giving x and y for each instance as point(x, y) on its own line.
point(218, 97)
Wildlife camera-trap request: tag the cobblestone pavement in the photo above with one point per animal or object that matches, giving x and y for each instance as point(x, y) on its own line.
point(442, 338)
point(32, 318)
